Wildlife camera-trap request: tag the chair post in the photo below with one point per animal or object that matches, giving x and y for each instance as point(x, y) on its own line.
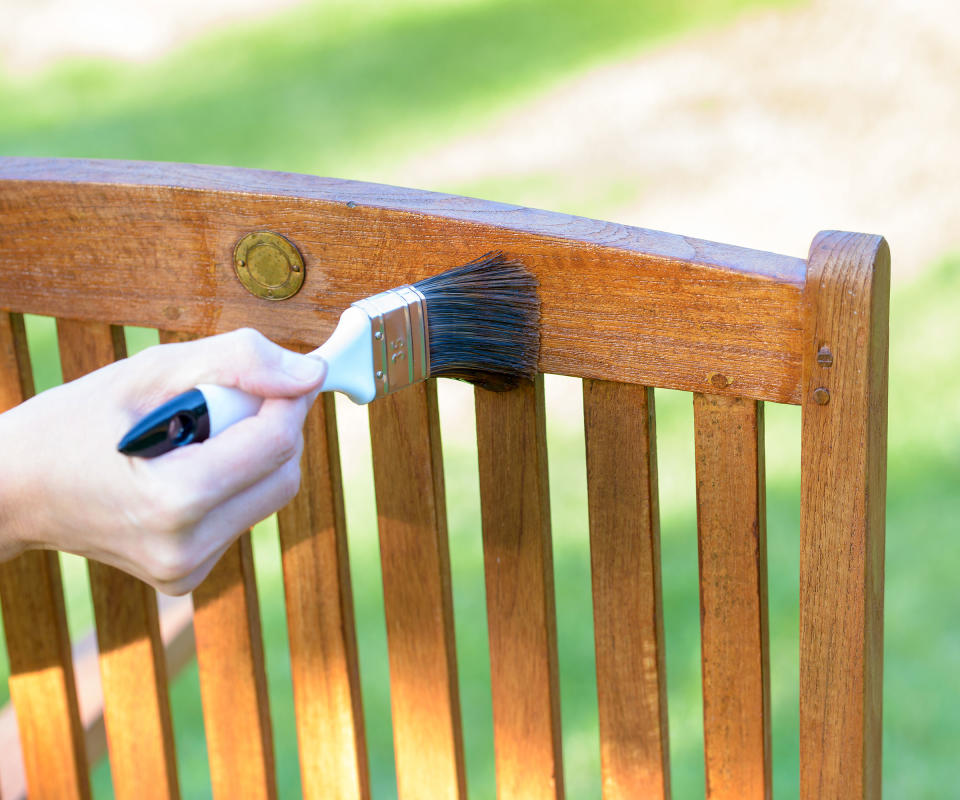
point(843, 490)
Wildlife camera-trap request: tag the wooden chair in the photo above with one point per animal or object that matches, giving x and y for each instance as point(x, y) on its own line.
point(100, 244)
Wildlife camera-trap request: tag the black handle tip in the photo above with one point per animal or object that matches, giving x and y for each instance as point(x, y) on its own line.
point(178, 422)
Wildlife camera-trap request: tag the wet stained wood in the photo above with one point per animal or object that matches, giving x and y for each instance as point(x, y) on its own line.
point(616, 299)
point(735, 653)
point(42, 687)
point(136, 706)
point(843, 495)
point(619, 422)
point(521, 609)
point(415, 559)
point(320, 621)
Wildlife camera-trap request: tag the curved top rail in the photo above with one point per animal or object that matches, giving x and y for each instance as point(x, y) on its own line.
point(152, 244)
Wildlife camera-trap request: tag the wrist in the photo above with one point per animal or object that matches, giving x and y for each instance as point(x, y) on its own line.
point(14, 499)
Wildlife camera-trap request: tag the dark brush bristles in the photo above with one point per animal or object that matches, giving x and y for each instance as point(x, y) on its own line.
point(483, 322)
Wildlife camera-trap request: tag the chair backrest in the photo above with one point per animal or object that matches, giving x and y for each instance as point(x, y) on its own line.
point(103, 244)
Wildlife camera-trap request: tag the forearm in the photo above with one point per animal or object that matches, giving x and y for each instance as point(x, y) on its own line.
point(10, 542)
point(12, 512)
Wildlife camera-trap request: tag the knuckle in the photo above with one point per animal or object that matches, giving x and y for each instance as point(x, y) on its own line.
point(248, 335)
point(252, 348)
point(178, 587)
point(171, 562)
point(250, 340)
point(175, 510)
point(239, 344)
point(286, 444)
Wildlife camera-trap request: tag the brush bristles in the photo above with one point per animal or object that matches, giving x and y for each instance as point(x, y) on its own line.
point(483, 322)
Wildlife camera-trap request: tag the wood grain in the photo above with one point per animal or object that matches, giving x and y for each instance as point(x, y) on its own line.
point(132, 664)
point(619, 422)
point(615, 298)
point(619, 304)
point(16, 376)
point(42, 687)
point(233, 682)
point(843, 494)
point(233, 678)
point(521, 610)
point(415, 559)
point(735, 652)
point(320, 622)
point(176, 614)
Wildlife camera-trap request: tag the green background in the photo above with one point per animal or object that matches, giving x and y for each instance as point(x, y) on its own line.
point(344, 89)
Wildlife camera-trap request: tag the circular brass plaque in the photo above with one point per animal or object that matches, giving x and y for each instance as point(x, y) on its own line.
point(268, 265)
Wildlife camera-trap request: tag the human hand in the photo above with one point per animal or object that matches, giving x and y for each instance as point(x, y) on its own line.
point(166, 520)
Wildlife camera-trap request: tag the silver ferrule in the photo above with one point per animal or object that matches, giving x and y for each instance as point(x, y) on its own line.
point(398, 323)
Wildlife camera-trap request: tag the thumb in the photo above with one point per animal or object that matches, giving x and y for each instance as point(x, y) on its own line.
point(244, 359)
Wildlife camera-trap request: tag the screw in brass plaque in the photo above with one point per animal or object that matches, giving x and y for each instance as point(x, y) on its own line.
point(269, 265)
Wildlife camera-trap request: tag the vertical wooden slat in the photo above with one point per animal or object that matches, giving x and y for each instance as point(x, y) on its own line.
point(16, 377)
point(424, 695)
point(521, 611)
point(731, 522)
point(132, 662)
point(233, 682)
point(42, 686)
point(627, 607)
point(843, 494)
point(176, 615)
point(320, 621)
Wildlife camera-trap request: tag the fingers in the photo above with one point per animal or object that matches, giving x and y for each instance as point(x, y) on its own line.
point(218, 531)
point(246, 509)
point(202, 476)
point(244, 359)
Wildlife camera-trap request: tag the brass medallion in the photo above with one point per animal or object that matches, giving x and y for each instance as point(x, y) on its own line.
point(269, 265)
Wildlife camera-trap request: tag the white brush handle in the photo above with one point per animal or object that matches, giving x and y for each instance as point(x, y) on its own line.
point(349, 356)
point(226, 406)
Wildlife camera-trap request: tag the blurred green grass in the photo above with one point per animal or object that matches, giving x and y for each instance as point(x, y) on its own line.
point(344, 88)
point(335, 88)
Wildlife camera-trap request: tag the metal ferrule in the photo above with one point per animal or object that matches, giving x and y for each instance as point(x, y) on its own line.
point(398, 323)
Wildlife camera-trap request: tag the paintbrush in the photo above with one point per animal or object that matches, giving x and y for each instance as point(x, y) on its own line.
point(479, 323)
